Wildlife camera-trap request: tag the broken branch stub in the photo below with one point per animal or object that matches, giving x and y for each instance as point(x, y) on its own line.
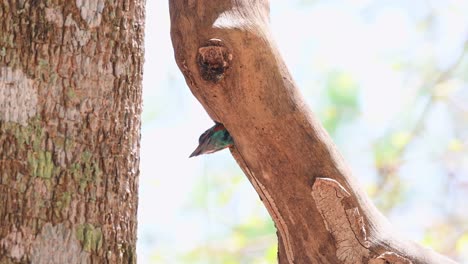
point(214, 60)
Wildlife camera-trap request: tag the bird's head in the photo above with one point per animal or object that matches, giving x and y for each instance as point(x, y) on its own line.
point(214, 139)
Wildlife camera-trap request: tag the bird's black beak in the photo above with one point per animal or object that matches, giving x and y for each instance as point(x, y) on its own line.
point(196, 152)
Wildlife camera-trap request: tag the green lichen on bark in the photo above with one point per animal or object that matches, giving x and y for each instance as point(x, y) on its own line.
point(89, 236)
point(86, 171)
point(41, 164)
point(29, 140)
point(29, 136)
point(62, 203)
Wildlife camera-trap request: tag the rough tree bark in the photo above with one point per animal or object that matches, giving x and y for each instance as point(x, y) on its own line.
point(230, 62)
point(70, 103)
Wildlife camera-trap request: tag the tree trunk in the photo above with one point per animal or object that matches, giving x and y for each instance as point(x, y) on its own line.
point(70, 103)
point(225, 51)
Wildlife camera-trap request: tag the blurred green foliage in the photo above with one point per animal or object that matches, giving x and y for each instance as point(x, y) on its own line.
point(250, 242)
point(342, 100)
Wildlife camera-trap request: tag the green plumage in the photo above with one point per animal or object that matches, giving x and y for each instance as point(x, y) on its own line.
point(214, 139)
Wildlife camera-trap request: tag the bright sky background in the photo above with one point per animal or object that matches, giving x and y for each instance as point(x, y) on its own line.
point(369, 40)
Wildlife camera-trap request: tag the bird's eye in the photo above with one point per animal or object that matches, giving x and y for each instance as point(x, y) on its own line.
point(226, 135)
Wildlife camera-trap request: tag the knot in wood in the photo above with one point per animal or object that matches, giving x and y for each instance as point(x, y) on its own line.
point(214, 59)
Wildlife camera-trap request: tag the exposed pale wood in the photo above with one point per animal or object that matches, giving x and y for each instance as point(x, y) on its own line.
point(70, 103)
point(321, 213)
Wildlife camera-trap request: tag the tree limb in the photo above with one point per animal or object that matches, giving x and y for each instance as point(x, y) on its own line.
point(225, 51)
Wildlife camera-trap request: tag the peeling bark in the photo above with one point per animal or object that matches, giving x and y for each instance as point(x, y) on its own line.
point(70, 104)
point(344, 225)
point(229, 60)
point(390, 258)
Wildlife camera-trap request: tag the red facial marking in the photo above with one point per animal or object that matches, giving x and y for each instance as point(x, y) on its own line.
point(219, 127)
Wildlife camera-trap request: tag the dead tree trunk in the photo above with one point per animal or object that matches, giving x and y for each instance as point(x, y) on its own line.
point(70, 103)
point(230, 62)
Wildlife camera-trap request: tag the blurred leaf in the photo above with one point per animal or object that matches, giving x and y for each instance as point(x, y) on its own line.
point(342, 100)
point(455, 145)
point(342, 89)
point(256, 226)
point(330, 119)
point(428, 240)
point(385, 152)
point(209, 254)
point(462, 244)
point(400, 139)
point(391, 193)
point(221, 186)
point(237, 179)
point(157, 258)
point(272, 253)
point(398, 66)
point(438, 235)
point(238, 240)
point(443, 90)
point(224, 197)
point(371, 190)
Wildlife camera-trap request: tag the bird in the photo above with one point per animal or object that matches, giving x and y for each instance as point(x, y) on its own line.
point(214, 139)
